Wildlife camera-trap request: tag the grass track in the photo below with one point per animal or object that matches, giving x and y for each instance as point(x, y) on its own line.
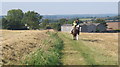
point(80, 48)
point(79, 53)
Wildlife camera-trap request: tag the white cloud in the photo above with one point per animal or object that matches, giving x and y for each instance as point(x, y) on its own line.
point(60, 0)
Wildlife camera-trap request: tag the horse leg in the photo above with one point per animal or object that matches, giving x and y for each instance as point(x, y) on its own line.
point(77, 37)
point(74, 37)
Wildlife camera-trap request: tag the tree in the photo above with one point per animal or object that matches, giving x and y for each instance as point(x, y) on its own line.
point(102, 21)
point(45, 24)
point(4, 23)
point(0, 23)
point(13, 19)
point(99, 21)
point(56, 26)
point(46, 21)
point(118, 18)
point(32, 19)
point(62, 21)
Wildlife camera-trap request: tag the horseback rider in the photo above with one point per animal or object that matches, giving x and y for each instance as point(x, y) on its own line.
point(75, 23)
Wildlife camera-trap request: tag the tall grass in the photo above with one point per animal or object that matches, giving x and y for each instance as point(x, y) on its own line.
point(51, 56)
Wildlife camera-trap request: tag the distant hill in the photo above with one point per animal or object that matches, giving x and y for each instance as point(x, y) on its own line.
point(77, 16)
point(1, 17)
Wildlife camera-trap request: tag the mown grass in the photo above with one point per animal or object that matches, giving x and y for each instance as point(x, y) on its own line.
point(49, 56)
point(85, 51)
point(91, 55)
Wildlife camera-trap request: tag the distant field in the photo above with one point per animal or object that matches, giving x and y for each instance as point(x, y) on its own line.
point(84, 19)
point(90, 49)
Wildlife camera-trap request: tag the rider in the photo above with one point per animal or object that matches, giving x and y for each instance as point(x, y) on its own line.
point(75, 23)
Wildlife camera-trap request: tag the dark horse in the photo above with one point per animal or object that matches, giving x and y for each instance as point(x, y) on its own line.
point(75, 32)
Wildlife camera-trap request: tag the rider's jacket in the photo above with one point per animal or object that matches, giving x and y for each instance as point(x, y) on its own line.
point(74, 24)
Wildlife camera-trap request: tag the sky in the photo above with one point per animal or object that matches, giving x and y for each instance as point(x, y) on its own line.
point(60, 0)
point(53, 8)
point(60, 8)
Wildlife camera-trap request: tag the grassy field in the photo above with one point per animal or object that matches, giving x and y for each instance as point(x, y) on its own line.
point(34, 47)
point(31, 47)
point(90, 49)
point(49, 55)
point(84, 19)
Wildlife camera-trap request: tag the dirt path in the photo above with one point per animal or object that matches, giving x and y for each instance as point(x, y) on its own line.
point(84, 52)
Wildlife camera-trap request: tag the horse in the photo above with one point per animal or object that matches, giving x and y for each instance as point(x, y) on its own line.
point(75, 32)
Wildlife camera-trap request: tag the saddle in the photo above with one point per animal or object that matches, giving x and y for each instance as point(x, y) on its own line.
point(78, 26)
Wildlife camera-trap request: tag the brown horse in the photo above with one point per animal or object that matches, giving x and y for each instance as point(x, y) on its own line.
point(75, 33)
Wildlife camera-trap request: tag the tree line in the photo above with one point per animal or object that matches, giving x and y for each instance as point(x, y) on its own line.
point(16, 19)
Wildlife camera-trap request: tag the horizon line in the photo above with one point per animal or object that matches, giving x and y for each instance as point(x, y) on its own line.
point(78, 14)
point(60, 1)
point(73, 14)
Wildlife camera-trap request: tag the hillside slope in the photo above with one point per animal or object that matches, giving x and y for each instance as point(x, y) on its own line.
point(31, 47)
